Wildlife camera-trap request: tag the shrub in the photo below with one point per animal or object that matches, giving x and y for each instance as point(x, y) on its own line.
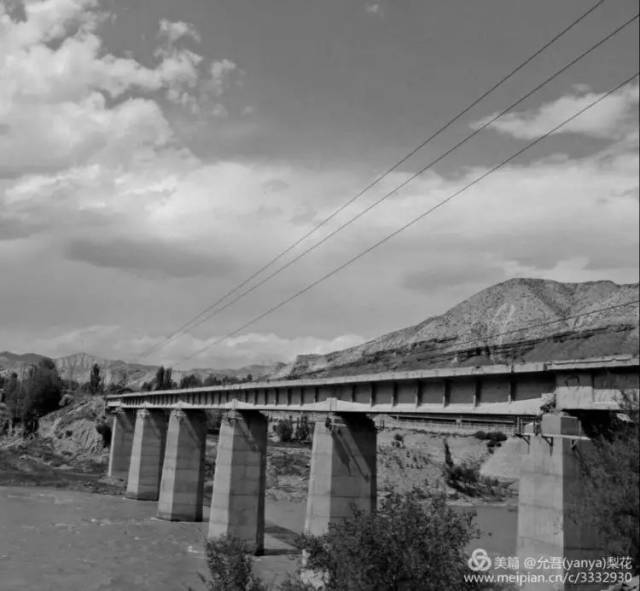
point(284, 430)
point(496, 436)
point(407, 544)
point(480, 435)
point(612, 481)
point(104, 430)
point(464, 477)
point(230, 566)
point(303, 430)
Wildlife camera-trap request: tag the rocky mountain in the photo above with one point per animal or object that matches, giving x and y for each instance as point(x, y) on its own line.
point(518, 320)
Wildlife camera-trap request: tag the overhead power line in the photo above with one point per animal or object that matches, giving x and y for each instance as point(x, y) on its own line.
point(414, 220)
point(187, 325)
point(428, 166)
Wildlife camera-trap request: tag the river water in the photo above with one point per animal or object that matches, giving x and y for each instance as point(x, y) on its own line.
point(53, 540)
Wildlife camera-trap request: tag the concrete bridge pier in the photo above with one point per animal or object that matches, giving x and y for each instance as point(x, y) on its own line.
point(237, 506)
point(343, 470)
point(147, 454)
point(121, 442)
point(552, 521)
point(182, 483)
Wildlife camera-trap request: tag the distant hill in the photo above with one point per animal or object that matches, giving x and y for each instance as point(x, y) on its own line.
point(518, 320)
point(132, 375)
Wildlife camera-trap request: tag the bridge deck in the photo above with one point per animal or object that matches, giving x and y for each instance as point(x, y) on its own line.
point(517, 389)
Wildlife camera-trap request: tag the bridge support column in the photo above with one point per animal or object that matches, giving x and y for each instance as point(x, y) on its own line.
point(343, 470)
point(182, 483)
point(237, 506)
point(146, 455)
point(121, 441)
point(551, 518)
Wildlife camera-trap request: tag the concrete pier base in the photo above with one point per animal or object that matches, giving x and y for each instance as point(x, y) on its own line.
point(551, 518)
point(121, 442)
point(343, 470)
point(147, 454)
point(237, 506)
point(182, 483)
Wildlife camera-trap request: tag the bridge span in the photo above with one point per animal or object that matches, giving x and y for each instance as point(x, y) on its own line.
point(514, 389)
point(158, 442)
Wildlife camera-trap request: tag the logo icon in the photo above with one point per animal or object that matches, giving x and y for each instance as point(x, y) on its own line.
point(479, 560)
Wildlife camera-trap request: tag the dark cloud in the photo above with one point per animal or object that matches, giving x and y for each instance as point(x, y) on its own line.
point(148, 257)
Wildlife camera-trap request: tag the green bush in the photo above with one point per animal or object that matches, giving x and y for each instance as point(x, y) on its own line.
point(407, 544)
point(303, 430)
point(480, 435)
point(230, 566)
point(284, 430)
point(611, 475)
point(496, 436)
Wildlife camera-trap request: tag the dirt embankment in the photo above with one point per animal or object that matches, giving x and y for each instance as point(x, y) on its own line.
point(68, 452)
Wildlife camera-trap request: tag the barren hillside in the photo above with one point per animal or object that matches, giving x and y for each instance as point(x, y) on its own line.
point(520, 319)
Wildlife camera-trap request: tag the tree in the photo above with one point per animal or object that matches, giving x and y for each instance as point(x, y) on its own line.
point(163, 379)
point(168, 383)
point(212, 380)
point(409, 543)
point(95, 381)
point(284, 430)
point(42, 392)
point(190, 381)
point(13, 397)
point(612, 480)
point(160, 378)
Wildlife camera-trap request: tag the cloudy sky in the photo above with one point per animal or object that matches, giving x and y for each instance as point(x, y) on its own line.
point(155, 153)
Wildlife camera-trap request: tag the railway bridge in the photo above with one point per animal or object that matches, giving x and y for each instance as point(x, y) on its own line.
point(158, 441)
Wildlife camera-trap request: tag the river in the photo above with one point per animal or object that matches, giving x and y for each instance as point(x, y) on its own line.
point(53, 540)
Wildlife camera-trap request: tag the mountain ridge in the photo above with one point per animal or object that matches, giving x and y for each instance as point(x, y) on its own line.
point(518, 319)
point(518, 310)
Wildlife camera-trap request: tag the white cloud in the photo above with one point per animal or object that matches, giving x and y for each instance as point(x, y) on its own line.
point(221, 72)
point(62, 102)
point(612, 118)
point(373, 8)
point(173, 31)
